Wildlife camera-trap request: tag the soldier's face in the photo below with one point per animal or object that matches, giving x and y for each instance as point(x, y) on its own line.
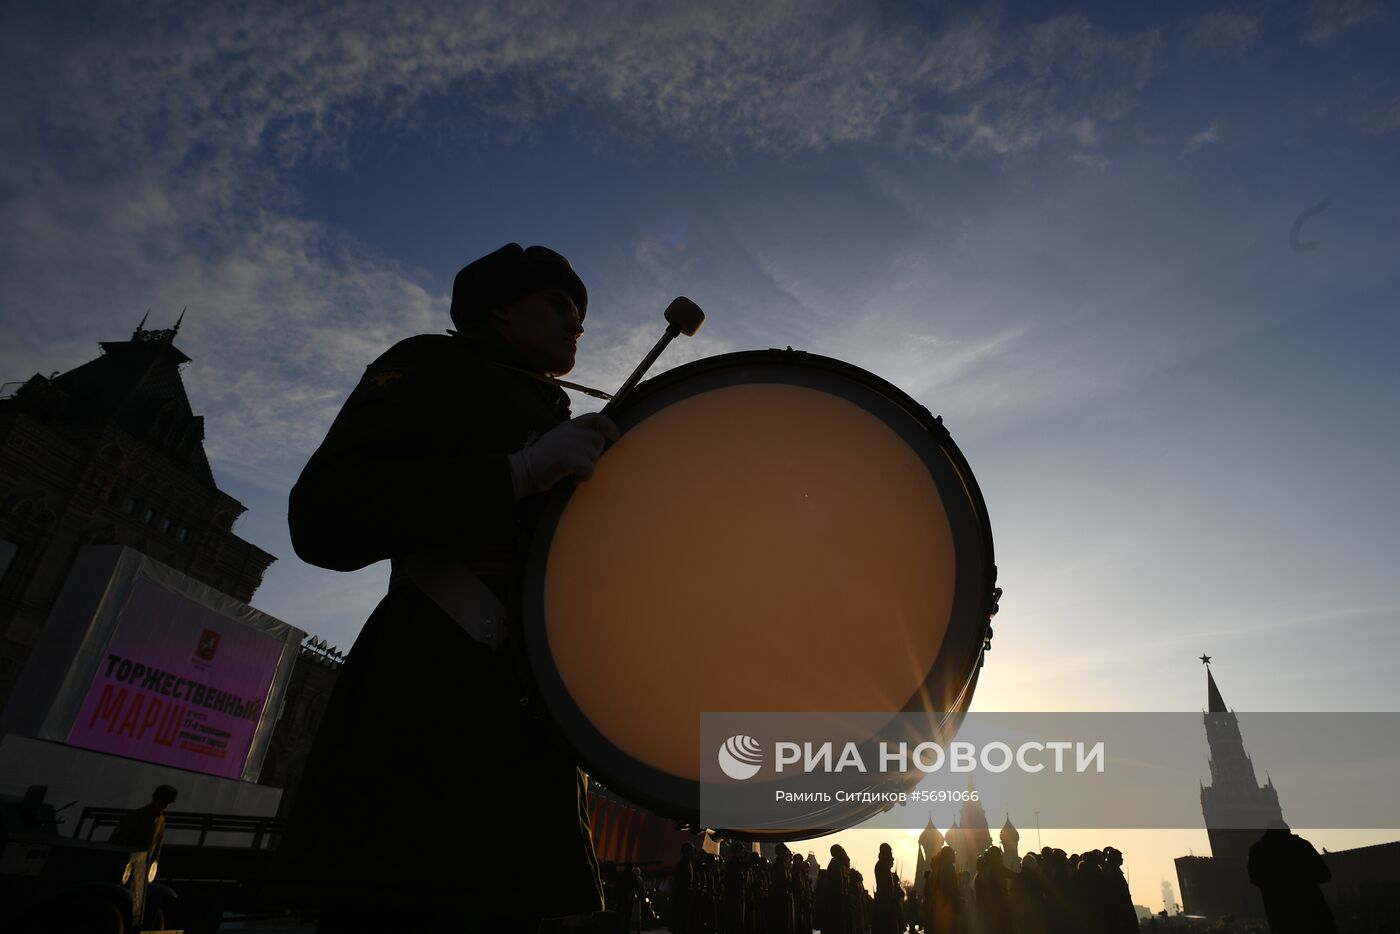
point(544, 326)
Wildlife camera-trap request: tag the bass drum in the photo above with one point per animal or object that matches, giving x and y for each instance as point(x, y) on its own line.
point(774, 531)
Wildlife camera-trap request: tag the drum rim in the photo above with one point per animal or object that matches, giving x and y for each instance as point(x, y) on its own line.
point(960, 655)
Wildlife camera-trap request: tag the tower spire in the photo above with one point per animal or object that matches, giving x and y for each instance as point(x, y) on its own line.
point(176, 329)
point(1215, 703)
point(142, 326)
point(1235, 806)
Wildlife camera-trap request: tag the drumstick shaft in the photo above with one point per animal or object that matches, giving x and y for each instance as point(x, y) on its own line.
point(682, 317)
point(640, 371)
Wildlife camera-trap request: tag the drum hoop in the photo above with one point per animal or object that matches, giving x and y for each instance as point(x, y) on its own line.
point(959, 657)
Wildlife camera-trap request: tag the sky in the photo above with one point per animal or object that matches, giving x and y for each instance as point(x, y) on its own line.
point(1142, 258)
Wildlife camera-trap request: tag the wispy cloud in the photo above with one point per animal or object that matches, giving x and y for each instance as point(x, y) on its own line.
point(1059, 77)
point(1380, 119)
point(284, 314)
point(1090, 160)
point(783, 76)
point(1231, 31)
point(158, 177)
point(1211, 134)
point(922, 362)
point(1325, 20)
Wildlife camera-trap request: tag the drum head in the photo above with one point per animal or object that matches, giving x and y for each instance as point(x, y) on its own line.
point(773, 531)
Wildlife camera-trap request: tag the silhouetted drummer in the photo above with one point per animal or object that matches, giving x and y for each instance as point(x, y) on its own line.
point(435, 462)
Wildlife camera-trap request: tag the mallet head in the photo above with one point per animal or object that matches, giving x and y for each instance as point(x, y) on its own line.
point(685, 316)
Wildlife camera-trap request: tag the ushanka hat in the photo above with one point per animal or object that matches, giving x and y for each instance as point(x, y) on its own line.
point(508, 275)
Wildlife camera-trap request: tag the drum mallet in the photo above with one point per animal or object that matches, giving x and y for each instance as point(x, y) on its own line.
point(682, 317)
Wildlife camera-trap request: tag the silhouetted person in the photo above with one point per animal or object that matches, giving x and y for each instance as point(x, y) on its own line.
point(34, 814)
point(733, 897)
point(887, 917)
point(801, 896)
point(926, 896)
point(834, 914)
point(436, 463)
point(913, 906)
point(759, 894)
point(1121, 915)
point(1055, 873)
point(682, 886)
point(1026, 897)
point(710, 887)
point(859, 903)
point(1085, 896)
point(945, 899)
point(967, 900)
point(990, 894)
point(144, 828)
point(782, 895)
point(1290, 874)
point(630, 892)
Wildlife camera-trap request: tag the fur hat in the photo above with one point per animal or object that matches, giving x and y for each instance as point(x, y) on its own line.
point(508, 275)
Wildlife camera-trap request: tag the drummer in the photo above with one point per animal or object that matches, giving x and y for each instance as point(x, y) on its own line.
point(434, 796)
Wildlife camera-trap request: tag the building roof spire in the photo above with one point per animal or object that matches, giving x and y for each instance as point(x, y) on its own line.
point(142, 334)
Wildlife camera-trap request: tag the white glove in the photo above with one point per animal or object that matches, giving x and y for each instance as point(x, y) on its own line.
point(569, 449)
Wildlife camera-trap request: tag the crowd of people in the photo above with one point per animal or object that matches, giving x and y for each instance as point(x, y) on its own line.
point(1051, 891)
point(1046, 893)
point(742, 894)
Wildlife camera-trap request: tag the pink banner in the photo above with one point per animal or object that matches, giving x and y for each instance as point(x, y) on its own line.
point(179, 685)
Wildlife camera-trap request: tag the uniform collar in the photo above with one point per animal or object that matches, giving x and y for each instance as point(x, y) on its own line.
point(493, 347)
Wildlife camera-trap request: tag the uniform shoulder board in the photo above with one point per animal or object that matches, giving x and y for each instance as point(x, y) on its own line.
point(384, 381)
point(398, 370)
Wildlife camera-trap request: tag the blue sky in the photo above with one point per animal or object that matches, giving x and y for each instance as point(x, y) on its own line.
point(1067, 229)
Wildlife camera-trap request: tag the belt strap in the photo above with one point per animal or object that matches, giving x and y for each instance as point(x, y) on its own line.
point(460, 594)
